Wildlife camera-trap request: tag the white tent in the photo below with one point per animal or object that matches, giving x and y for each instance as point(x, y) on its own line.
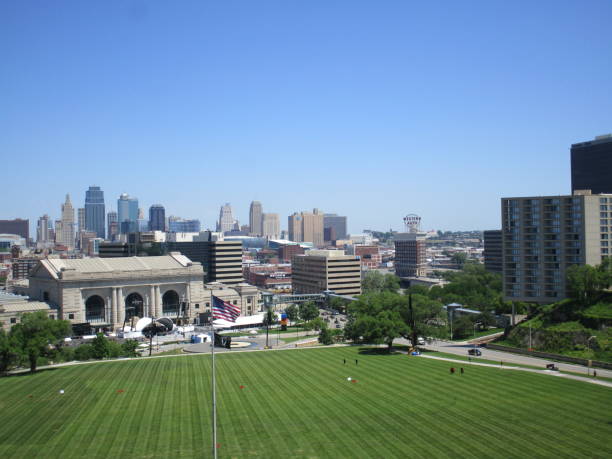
point(242, 321)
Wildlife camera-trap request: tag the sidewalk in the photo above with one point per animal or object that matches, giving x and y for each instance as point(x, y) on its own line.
point(530, 370)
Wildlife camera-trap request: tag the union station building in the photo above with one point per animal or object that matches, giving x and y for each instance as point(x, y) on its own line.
point(108, 292)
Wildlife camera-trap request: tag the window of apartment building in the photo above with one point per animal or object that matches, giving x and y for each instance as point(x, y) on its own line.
point(603, 214)
point(603, 207)
point(13, 320)
point(603, 200)
point(45, 296)
point(197, 306)
point(603, 229)
point(604, 236)
point(604, 251)
point(71, 316)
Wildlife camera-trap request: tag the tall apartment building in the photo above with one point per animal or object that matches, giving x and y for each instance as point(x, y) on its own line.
point(127, 214)
point(592, 165)
point(95, 211)
point(222, 260)
point(17, 226)
point(157, 218)
point(256, 219)
point(226, 219)
point(306, 227)
point(320, 270)
point(410, 256)
point(493, 251)
point(544, 235)
point(271, 226)
point(338, 223)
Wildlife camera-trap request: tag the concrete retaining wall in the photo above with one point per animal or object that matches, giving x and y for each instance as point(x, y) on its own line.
point(547, 355)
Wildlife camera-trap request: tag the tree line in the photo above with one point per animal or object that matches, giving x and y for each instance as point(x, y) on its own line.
point(37, 339)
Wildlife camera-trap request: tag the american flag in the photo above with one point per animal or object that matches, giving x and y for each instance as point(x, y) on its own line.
point(224, 310)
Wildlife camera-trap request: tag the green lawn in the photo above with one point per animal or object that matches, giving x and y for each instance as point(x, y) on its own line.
point(298, 403)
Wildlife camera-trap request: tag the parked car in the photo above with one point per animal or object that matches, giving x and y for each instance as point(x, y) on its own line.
point(475, 352)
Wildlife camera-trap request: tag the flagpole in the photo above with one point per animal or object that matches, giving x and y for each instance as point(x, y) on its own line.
point(214, 395)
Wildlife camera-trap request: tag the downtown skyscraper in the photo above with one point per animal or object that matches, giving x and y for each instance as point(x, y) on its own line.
point(65, 235)
point(256, 219)
point(95, 213)
point(226, 219)
point(127, 213)
point(157, 218)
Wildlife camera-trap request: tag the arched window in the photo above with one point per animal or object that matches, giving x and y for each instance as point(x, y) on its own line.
point(133, 306)
point(94, 309)
point(170, 303)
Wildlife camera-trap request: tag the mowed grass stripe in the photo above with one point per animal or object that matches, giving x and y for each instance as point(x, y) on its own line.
point(303, 373)
point(279, 412)
point(238, 419)
point(299, 404)
point(420, 401)
point(54, 409)
point(256, 399)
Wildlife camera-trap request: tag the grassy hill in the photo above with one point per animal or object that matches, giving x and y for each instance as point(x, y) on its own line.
point(567, 328)
point(299, 403)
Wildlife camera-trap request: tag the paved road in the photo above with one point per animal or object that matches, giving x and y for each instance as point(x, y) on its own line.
point(511, 368)
point(488, 354)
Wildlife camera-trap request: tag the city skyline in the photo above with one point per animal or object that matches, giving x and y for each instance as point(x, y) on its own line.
point(434, 101)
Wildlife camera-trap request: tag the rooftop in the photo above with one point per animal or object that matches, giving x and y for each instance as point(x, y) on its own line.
point(108, 265)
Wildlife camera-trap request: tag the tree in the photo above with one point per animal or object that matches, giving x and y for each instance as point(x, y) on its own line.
point(377, 318)
point(459, 258)
point(336, 303)
point(308, 311)
point(586, 282)
point(375, 281)
point(36, 333)
point(292, 313)
point(473, 286)
point(317, 324)
point(326, 337)
point(100, 347)
point(463, 326)
point(486, 320)
point(425, 319)
point(8, 352)
point(129, 348)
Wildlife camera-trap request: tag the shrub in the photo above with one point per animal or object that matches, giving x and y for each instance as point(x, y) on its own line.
point(83, 352)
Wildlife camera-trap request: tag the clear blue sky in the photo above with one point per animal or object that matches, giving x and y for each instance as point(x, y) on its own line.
point(369, 109)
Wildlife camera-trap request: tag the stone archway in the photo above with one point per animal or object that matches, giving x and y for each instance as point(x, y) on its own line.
point(170, 303)
point(134, 306)
point(94, 309)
